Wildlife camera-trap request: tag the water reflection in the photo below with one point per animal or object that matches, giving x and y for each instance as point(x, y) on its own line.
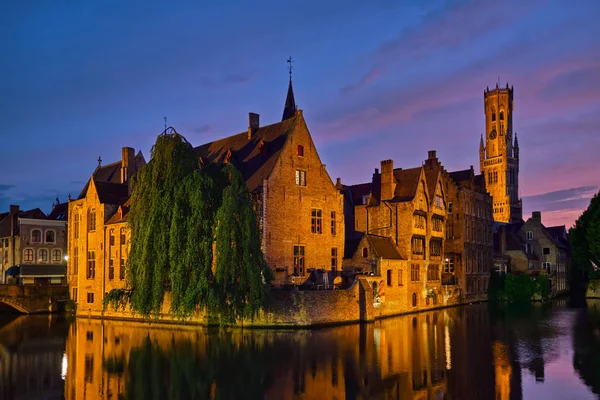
point(458, 353)
point(31, 354)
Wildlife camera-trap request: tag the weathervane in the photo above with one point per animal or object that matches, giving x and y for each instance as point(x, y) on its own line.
point(290, 68)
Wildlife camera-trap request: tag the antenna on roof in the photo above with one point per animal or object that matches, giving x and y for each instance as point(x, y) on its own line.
point(290, 68)
point(165, 118)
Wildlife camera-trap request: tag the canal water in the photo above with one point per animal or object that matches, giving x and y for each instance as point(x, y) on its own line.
point(473, 352)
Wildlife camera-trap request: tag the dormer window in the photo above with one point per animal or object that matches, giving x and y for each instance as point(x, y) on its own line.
point(263, 149)
point(300, 151)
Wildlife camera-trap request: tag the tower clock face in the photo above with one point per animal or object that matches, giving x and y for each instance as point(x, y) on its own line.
point(493, 134)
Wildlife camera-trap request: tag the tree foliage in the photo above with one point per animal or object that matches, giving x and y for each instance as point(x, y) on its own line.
point(585, 239)
point(174, 214)
point(241, 270)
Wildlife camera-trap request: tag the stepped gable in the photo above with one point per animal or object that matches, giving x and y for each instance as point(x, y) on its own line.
point(254, 157)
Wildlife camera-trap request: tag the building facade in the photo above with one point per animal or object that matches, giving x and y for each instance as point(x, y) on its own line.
point(407, 207)
point(98, 235)
point(32, 247)
point(469, 233)
point(499, 155)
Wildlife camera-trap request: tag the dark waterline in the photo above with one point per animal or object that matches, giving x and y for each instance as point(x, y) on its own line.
point(474, 352)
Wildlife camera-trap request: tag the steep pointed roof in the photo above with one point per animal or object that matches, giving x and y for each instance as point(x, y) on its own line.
point(289, 110)
point(254, 157)
point(407, 182)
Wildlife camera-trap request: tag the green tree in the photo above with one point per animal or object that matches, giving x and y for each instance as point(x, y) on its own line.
point(241, 270)
point(175, 211)
point(585, 239)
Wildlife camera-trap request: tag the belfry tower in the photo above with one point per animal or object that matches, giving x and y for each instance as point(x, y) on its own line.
point(499, 155)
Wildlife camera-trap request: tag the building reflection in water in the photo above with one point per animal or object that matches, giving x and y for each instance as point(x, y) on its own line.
point(31, 353)
point(457, 353)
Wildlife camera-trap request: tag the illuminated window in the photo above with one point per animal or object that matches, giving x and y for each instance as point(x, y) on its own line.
point(433, 272)
point(419, 221)
point(76, 225)
point(300, 178)
point(56, 255)
point(28, 255)
point(438, 224)
point(439, 201)
point(43, 255)
point(435, 247)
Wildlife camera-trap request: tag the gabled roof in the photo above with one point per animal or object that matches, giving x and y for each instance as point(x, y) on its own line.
point(5, 222)
point(384, 247)
point(461, 176)
point(355, 193)
point(110, 173)
point(246, 153)
point(60, 212)
point(407, 183)
point(112, 193)
point(431, 179)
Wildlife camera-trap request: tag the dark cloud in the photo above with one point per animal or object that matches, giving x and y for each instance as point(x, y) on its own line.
point(577, 83)
point(4, 188)
point(228, 80)
point(559, 200)
point(203, 129)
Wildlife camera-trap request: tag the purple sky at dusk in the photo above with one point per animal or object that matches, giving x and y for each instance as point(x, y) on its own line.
point(376, 80)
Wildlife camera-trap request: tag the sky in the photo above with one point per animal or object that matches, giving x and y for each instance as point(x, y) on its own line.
point(376, 80)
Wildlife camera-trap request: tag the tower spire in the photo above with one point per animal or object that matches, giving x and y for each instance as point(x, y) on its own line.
point(289, 109)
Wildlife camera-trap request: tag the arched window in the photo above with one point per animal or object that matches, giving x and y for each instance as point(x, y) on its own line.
point(36, 236)
point(414, 299)
point(493, 114)
point(50, 236)
point(92, 219)
point(501, 115)
point(28, 255)
point(56, 255)
point(43, 255)
point(365, 252)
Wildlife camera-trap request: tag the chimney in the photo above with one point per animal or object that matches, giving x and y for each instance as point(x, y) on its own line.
point(388, 184)
point(14, 218)
point(536, 216)
point(253, 124)
point(431, 155)
point(338, 184)
point(127, 163)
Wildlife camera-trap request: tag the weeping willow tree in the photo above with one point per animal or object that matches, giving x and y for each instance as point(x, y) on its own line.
point(241, 270)
point(174, 215)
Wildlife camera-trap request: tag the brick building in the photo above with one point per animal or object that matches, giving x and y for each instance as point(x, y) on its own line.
point(300, 209)
point(529, 247)
point(499, 156)
point(32, 247)
point(469, 247)
point(98, 237)
point(409, 208)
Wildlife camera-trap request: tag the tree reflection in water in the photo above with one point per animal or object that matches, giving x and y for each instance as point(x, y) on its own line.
point(457, 353)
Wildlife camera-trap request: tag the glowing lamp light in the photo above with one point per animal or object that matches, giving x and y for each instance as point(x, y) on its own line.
point(66, 257)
